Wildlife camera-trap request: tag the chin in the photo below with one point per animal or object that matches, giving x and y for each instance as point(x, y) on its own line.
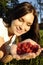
point(17, 34)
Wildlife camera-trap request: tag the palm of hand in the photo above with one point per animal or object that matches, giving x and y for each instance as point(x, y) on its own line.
point(28, 55)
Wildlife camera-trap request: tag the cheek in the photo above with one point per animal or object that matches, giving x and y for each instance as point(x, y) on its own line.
point(13, 24)
point(16, 23)
point(28, 28)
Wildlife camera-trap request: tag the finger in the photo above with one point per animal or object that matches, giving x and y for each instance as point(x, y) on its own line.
point(32, 55)
point(41, 49)
point(38, 53)
point(17, 57)
point(13, 49)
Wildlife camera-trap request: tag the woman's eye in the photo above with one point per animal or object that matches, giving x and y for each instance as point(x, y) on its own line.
point(21, 20)
point(28, 25)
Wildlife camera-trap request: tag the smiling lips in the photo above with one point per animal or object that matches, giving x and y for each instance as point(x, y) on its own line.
point(19, 30)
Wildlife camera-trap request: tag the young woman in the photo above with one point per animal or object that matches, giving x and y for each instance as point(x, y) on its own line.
point(20, 21)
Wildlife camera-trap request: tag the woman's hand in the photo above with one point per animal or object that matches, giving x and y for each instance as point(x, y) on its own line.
point(34, 55)
point(13, 51)
point(1, 54)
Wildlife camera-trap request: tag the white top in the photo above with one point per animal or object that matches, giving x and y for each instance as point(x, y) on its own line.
point(3, 31)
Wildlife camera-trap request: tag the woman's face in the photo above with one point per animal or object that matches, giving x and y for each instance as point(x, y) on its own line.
point(23, 24)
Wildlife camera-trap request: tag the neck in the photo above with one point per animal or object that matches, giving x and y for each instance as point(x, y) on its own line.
point(10, 32)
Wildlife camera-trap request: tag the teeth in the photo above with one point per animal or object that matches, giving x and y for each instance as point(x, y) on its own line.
point(18, 28)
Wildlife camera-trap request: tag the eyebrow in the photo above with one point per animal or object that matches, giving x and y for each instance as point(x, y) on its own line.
point(27, 22)
point(22, 18)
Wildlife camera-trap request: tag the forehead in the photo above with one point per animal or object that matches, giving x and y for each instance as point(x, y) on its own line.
point(28, 17)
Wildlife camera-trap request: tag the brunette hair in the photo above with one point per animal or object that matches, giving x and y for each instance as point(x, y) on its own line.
point(19, 11)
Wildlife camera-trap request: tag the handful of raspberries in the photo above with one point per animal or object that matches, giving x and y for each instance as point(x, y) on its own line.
point(26, 47)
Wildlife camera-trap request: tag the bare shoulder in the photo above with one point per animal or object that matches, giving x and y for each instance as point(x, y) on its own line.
point(1, 41)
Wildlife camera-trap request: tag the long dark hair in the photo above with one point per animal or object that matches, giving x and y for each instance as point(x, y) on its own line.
point(33, 33)
point(19, 11)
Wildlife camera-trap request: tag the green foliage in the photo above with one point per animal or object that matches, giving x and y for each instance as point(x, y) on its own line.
point(36, 61)
point(5, 2)
point(41, 36)
point(5, 5)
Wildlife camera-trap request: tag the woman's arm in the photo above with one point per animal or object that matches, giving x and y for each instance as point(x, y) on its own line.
point(6, 58)
point(1, 43)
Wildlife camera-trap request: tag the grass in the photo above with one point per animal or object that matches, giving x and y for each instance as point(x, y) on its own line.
point(41, 36)
point(36, 61)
